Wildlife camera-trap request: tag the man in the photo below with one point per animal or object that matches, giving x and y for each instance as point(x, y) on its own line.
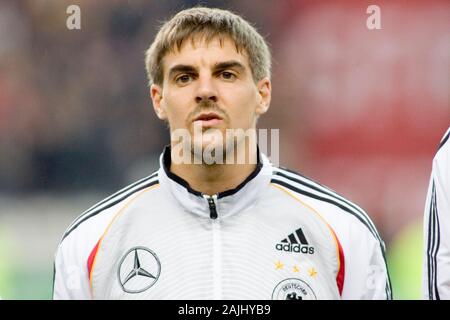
point(436, 271)
point(207, 228)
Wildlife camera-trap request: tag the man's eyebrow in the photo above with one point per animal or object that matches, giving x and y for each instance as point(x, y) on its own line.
point(184, 68)
point(181, 68)
point(232, 64)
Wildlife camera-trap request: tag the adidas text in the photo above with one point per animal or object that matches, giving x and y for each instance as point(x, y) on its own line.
point(299, 248)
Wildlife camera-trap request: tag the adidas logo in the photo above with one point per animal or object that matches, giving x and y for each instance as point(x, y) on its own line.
point(295, 242)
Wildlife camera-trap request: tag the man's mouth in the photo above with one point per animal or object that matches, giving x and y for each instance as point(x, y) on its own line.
point(208, 119)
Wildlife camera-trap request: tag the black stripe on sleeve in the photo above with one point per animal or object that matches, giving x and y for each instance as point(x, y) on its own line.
point(436, 219)
point(430, 245)
point(326, 191)
point(433, 246)
point(317, 197)
point(97, 211)
point(444, 140)
point(118, 193)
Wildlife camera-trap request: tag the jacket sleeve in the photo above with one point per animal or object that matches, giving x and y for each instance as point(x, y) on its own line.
point(436, 270)
point(70, 279)
point(366, 273)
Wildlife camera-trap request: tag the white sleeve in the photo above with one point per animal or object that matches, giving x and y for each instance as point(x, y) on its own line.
point(366, 275)
point(71, 281)
point(71, 278)
point(436, 271)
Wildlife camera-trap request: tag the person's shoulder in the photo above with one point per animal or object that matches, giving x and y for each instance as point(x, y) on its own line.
point(94, 220)
point(304, 186)
point(340, 212)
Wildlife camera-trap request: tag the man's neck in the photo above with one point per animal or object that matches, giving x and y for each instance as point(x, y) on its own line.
point(215, 178)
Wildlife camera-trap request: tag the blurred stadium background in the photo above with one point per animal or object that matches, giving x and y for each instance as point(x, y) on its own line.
point(359, 110)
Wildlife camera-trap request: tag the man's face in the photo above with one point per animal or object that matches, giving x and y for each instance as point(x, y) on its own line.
point(209, 85)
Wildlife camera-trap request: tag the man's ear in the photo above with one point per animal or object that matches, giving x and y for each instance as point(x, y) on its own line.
point(158, 105)
point(265, 94)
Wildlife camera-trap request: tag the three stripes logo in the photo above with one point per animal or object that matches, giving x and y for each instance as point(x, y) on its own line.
point(295, 242)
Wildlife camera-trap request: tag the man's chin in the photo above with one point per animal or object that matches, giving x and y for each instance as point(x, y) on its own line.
point(212, 139)
point(203, 148)
point(209, 153)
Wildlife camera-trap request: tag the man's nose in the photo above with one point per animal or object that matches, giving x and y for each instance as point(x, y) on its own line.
point(206, 90)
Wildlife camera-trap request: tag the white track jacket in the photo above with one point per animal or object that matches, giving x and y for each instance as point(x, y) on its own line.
point(278, 235)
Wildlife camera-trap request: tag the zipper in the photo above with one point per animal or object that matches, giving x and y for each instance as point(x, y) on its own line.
point(216, 247)
point(212, 205)
point(217, 259)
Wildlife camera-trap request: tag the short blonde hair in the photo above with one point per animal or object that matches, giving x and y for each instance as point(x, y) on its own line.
point(208, 23)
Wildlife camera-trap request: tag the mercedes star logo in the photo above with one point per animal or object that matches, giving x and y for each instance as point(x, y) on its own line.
point(139, 269)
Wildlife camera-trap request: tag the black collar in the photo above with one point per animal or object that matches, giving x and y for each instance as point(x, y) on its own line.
point(167, 160)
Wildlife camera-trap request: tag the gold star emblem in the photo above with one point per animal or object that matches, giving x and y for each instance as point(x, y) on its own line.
point(279, 265)
point(312, 272)
point(296, 269)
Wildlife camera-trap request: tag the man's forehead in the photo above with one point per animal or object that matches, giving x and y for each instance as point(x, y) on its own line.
point(218, 44)
point(204, 40)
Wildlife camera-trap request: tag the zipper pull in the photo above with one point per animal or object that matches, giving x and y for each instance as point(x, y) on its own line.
point(212, 205)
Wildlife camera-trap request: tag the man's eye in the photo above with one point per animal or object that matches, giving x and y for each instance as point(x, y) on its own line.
point(185, 78)
point(228, 75)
